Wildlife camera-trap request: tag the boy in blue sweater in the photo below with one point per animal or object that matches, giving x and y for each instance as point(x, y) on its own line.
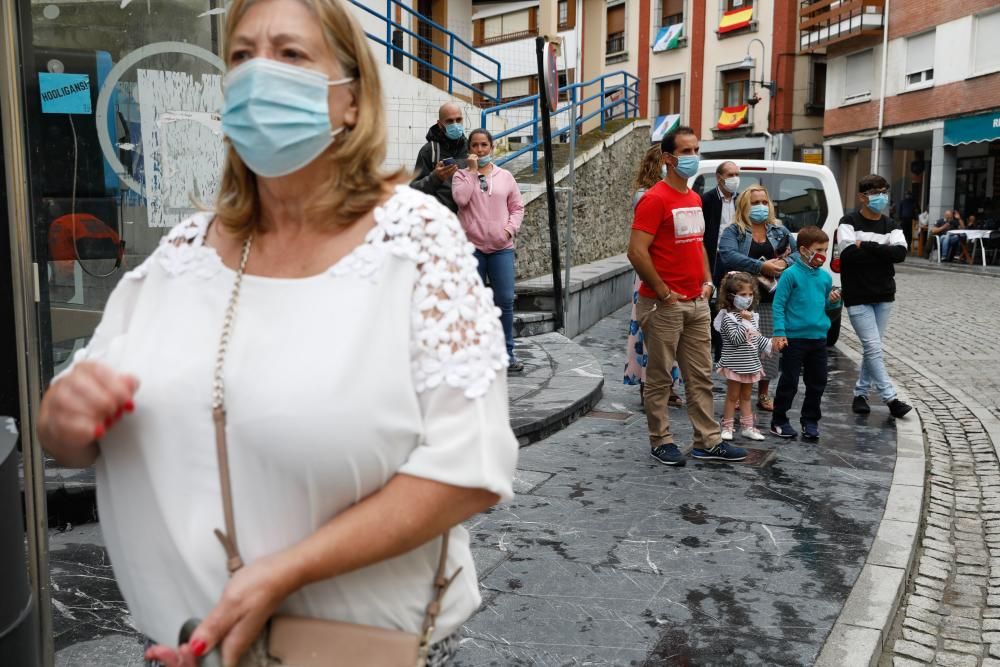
point(804, 294)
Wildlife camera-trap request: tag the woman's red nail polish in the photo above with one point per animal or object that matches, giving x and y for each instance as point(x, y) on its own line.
point(198, 647)
point(108, 421)
point(118, 415)
point(129, 406)
point(99, 432)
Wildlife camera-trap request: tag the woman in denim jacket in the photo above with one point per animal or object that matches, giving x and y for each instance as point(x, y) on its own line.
point(756, 243)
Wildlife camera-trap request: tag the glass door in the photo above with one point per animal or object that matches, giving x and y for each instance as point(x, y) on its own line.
point(118, 139)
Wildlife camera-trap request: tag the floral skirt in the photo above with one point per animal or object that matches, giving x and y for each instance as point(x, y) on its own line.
point(635, 350)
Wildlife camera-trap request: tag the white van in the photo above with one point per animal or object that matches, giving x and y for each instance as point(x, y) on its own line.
point(803, 194)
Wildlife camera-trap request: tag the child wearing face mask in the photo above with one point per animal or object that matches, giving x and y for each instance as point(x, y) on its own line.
point(742, 347)
point(804, 295)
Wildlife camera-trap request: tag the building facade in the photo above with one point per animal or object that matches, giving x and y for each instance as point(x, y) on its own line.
point(913, 93)
point(730, 69)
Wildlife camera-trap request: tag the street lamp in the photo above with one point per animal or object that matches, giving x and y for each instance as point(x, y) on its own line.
point(748, 63)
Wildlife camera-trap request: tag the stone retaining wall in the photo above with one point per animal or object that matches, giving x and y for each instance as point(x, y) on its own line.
point(602, 205)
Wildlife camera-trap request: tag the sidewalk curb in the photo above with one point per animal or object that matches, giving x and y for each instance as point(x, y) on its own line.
point(574, 388)
point(976, 270)
point(860, 632)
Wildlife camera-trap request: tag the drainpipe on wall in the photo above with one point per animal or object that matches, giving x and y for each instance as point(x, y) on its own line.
point(881, 97)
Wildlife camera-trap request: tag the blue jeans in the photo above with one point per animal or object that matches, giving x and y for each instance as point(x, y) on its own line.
point(870, 322)
point(948, 244)
point(497, 268)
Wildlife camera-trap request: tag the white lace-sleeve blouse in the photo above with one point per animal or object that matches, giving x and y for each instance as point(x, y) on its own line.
point(392, 361)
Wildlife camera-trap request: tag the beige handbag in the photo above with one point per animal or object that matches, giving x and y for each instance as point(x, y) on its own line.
point(311, 642)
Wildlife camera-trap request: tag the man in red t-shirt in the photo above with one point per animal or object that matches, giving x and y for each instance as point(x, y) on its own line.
point(666, 249)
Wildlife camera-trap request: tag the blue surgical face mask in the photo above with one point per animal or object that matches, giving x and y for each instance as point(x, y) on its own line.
point(879, 202)
point(485, 160)
point(455, 131)
point(687, 165)
point(759, 213)
point(741, 302)
point(276, 115)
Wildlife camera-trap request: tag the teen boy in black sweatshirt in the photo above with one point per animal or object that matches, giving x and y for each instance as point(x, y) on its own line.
point(870, 244)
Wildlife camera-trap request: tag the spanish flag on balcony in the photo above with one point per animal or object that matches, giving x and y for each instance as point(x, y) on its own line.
point(732, 117)
point(736, 19)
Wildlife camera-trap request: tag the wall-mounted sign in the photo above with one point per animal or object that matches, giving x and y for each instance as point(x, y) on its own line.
point(812, 155)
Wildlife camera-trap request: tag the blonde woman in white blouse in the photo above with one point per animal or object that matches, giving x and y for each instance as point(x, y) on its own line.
point(364, 382)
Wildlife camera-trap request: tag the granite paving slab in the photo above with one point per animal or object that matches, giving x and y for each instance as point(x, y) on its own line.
point(617, 560)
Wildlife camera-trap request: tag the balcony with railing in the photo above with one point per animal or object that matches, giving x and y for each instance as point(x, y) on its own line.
point(826, 22)
point(507, 37)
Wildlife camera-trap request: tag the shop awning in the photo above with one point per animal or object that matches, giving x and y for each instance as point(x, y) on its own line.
point(663, 125)
point(668, 37)
point(732, 117)
point(735, 19)
point(972, 129)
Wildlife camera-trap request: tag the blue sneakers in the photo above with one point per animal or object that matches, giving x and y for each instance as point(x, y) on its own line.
point(810, 431)
point(783, 430)
point(721, 452)
point(668, 455)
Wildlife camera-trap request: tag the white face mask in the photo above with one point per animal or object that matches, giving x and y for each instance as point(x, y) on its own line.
point(663, 171)
point(732, 184)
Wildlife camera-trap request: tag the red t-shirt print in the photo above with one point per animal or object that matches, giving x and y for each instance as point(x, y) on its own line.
point(677, 224)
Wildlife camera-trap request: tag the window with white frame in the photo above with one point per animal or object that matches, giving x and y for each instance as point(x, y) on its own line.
point(920, 60)
point(671, 12)
point(986, 57)
point(615, 43)
point(735, 87)
point(859, 76)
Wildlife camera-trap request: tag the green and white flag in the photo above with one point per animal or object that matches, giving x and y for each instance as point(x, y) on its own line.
point(668, 38)
point(663, 125)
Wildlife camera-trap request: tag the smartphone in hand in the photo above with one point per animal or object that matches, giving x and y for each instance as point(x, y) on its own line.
point(449, 162)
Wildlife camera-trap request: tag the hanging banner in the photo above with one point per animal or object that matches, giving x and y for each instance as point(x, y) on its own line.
point(733, 117)
point(669, 37)
point(663, 125)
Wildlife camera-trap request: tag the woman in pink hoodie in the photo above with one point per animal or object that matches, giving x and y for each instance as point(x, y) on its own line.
point(490, 210)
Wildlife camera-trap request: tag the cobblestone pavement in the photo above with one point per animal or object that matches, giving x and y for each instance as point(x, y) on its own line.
point(941, 336)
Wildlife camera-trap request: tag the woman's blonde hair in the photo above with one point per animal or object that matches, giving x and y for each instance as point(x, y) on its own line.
point(356, 180)
point(649, 170)
point(742, 217)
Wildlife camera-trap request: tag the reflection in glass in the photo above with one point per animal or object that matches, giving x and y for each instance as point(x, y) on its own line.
point(100, 207)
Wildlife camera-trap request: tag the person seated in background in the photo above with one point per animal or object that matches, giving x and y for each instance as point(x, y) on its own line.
point(945, 240)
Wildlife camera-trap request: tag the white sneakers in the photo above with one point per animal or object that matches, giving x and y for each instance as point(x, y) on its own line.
point(751, 433)
point(727, 434)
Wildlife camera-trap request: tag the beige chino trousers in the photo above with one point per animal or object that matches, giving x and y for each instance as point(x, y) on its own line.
point(680, 332)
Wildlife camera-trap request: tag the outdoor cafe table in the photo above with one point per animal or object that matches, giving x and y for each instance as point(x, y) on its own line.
point(972, 235)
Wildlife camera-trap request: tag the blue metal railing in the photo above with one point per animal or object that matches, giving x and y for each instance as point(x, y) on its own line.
point(453, 41)
point(618, 100)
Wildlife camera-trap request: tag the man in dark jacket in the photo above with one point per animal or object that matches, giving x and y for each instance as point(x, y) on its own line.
point(440, 157)
point(870, 245)
point(719, 206)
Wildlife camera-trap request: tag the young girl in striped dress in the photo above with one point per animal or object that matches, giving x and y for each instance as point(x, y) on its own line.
point(742, 347)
